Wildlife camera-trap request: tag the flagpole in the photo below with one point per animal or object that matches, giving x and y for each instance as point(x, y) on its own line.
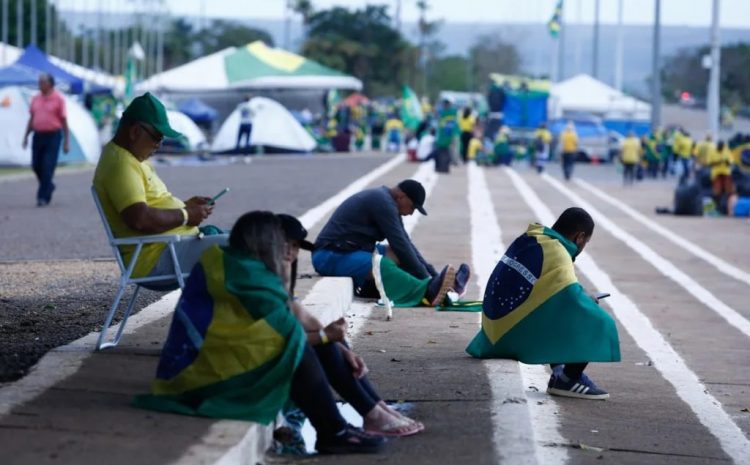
point(595, 51)
point(713, 81)
point(561, 45)
point(655, 71)
point(619, 48)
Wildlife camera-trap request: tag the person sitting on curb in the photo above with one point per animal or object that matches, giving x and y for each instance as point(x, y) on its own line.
point(236, 351)
point(346, 371)
point(345, 245)
point(136, 201)
point(536, 312)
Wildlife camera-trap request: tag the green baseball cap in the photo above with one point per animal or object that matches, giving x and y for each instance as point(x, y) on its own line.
point(148, 109)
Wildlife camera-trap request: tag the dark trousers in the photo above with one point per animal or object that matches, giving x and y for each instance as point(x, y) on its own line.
point(320, 369)
point(572, 370)
point(465, 139)
point(685, 161)
point(45, 147)
point(568, 161)
point(628, 173)
point(442, 160)
point(245, 131)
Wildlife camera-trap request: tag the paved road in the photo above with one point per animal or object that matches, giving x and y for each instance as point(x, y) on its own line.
point(680, 394)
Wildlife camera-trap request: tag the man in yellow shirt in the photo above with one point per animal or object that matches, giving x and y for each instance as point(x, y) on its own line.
point(467, 121)
point(542, 141)
point(703, 151)
point(569, 142)
point(683, 147)
point(720, 162)
point(136, 202)
point(630, 156)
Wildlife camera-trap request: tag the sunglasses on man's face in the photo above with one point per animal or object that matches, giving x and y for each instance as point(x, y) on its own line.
point(155, 136)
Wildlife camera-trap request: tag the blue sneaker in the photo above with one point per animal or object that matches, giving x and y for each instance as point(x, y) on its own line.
point(583, 388)
point(462, 279)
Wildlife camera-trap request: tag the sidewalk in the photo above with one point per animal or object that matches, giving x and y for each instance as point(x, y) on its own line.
point(83, 414)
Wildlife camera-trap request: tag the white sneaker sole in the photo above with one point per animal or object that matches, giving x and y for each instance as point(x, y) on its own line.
point(575, 395)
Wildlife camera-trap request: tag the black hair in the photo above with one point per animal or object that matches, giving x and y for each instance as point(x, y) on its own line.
point(49, 78)
point(467, 112)
point(574, 220)
point(720, 146)
point(260, 235)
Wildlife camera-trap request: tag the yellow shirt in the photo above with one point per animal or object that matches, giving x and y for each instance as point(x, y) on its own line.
point(120, 181)
point(466, 124)
point(631, 150)
point(394, 123)
point(475, 146)
point(682, 145)
point(544, 135)
point(703, 151)
point(569, 140)
point(720, 163)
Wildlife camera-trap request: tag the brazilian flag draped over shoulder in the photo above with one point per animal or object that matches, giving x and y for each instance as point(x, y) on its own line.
point(536, 312)
point(233, 344)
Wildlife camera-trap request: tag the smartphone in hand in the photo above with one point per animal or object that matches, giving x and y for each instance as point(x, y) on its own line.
point(601, 295)
point(216, 197)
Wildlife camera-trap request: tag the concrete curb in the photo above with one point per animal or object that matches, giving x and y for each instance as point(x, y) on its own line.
point(237, 442)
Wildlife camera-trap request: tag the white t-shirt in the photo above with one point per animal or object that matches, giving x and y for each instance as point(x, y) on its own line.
point(426, 144)
point(246, 113)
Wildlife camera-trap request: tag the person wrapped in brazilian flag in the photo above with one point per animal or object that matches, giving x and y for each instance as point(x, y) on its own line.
point(535, 310)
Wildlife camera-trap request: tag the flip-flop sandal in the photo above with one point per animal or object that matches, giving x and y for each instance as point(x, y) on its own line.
point(409, 429)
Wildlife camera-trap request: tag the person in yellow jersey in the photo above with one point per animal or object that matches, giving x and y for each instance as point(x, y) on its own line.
point(683, 148)
point(542, 141)
point(720, 162)
point(630, 156)
point(569, 146)
point(703, 151)
point(467, 121)
point(475, 148)
point(394, 129)
point(136, 201)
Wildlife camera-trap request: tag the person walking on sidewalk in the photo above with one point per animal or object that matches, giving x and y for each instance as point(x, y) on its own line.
point(630, 156)
point(49, 123)
point(536, 312)
point(347, 241)
point(569, 142)
point(247, 113)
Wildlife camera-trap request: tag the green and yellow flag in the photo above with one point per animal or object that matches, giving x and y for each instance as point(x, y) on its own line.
point(536, 312)
point(411, 109)
point(555, 23)
point(233, 344)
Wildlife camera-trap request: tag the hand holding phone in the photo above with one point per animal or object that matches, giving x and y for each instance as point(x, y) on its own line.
point(601, 295)
point(216, 197)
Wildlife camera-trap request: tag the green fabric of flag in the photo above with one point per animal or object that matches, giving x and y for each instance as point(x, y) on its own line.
point(233, 344)
point(411, 109)
point(555, 23)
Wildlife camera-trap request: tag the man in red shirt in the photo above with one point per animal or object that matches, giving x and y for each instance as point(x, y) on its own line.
point(49, 123)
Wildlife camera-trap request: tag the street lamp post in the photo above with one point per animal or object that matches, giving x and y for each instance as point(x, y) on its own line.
point(713, 80)
point(655, 71)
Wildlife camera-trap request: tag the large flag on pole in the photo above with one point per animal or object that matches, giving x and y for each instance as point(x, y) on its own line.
point(555, 22)
point(411, 109)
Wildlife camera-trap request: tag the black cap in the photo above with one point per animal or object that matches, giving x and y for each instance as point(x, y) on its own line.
point(414, 190)
point(293, 230)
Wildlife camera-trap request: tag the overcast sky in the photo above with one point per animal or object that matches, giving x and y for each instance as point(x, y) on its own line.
point(734, 13)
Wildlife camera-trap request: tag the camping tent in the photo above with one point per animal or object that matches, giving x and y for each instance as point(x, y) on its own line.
point(36, 59)
point(584, 94)
point(254, 66)
point(14, 115)
point(194, 139)
point(198, 111)
point(273, 128)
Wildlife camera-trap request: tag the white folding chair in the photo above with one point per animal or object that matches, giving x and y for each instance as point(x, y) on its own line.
point(178, 277)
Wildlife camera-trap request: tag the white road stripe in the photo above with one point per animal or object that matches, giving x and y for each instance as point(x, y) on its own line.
point(663, 265)
point(720, 264)
point(667, 361)
point(520, 429)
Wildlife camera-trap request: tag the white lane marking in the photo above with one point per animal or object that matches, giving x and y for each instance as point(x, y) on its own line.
point(667, 361)
point(312, 216)
point(62, 362)
point(661, 264)
point(519, 431)
point(717, 262)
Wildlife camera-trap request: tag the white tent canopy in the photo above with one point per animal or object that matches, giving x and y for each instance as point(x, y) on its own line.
point(583, 93)
point(14, 115)
point(203, 74)
point(273, 126)
point(181, 123)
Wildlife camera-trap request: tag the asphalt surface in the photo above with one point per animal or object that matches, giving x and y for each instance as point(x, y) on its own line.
point(419, 357)
point(57, 275)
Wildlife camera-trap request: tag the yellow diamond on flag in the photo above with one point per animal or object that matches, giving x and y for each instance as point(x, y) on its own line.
point(278, 58)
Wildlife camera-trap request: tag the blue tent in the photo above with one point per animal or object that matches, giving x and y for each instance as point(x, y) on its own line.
point(18, 75)
point(36, 59)
point(198, 111)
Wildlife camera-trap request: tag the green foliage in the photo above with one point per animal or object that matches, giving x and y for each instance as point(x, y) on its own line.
point(41, 6)
point(450, 73)
point(222, 34)
point(492, 54)
point(362, 43)
point(683, 72)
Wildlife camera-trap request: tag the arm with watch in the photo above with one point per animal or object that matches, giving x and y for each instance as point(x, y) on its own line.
point(317, 334)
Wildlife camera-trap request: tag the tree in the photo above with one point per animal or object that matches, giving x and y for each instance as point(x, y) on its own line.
point(222, 34)
point(450, 73)
point(361, 43)
point(492, 54)
point(683, 72)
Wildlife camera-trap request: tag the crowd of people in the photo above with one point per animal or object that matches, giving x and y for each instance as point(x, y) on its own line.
point(242, 346)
